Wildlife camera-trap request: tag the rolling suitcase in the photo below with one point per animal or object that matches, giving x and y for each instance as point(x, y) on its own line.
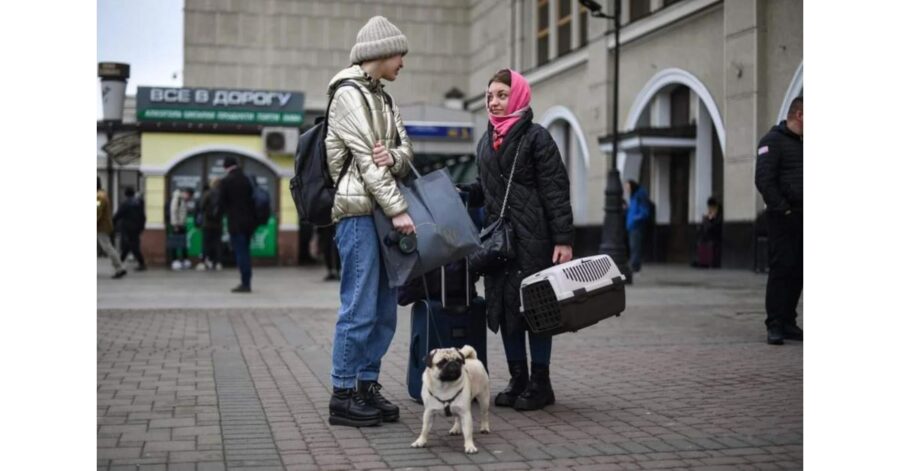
point(439, 324)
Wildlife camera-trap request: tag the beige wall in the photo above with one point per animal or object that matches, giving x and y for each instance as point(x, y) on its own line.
point(489, 42)
point(745, 53)
point(782, 53)
point(300, 45)
point(694, 46)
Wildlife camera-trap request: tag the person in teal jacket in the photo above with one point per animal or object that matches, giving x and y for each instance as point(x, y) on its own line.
point(636, 222)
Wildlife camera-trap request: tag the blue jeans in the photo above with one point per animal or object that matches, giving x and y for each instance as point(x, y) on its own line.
point(635, 239)
point(514, 344)
point(241, 245)
point(367, 317)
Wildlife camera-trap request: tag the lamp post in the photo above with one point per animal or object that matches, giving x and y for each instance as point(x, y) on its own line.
point(113, 79)
point(613, 241)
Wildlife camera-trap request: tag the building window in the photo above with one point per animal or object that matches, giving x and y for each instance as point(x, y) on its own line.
point(638, 9)
point(564, 27)
point(583, 26)
point(543, 32)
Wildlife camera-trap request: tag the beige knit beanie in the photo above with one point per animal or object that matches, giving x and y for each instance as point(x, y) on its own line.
point(378, 39)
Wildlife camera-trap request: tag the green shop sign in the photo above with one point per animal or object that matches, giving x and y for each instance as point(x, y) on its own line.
point(220, 105)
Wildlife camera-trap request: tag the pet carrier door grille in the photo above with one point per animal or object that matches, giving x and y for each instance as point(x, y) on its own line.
point(543, 308)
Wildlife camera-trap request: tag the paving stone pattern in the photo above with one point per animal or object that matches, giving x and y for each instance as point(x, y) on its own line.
point(683, 380)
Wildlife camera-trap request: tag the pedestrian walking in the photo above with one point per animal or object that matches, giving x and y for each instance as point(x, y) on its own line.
point(210, 220)
point(779, 178)
point(236, 202)
point(104, 231)
point(709, 237)
point(129, 222)
point(538, 210)
point(636, 222)
point(363, 125)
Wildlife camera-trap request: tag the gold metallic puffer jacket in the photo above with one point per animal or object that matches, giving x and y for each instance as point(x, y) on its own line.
point(352, 133)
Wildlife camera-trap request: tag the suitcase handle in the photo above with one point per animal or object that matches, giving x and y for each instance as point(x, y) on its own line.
point(444, 279)
point(413, 347)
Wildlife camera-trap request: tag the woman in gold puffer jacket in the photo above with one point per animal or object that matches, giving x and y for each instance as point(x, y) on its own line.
point(364, 127)
point(353, 131)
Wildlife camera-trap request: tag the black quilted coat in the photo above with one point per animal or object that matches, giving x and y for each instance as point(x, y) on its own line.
point(538, 209)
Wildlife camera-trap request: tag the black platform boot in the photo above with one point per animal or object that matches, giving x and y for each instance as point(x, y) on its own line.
point(347, 407)
point(371, 393)
point(518, 381)
point(539, 392)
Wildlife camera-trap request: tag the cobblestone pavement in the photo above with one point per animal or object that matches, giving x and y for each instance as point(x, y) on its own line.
point(682, 380)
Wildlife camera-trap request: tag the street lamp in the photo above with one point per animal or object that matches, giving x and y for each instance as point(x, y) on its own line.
point(613, 242)
point(113, 80)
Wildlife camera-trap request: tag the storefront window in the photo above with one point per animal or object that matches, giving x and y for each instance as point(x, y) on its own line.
point(198, 171)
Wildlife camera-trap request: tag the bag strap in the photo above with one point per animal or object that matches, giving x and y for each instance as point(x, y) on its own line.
point(511, 173)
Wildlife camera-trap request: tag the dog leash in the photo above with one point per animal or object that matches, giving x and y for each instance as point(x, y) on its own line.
point(447, 403)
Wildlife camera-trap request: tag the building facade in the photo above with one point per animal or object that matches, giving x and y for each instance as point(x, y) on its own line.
point(701, 81)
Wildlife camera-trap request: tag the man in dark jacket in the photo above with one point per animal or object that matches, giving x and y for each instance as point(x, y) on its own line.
point(130, 221)
point(779, 178)
point(236, 202)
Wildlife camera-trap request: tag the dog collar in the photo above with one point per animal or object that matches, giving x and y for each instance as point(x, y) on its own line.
point(446, 403)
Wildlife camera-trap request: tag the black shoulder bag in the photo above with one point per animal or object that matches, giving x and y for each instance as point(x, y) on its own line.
point(497, 239)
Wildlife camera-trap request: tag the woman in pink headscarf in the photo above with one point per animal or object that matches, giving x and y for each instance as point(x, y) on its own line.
point(540, 214)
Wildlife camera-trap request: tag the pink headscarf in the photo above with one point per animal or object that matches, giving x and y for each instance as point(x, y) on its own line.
point(519, 101)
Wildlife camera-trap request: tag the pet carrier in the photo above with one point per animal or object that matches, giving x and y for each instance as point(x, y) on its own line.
point(573, 295)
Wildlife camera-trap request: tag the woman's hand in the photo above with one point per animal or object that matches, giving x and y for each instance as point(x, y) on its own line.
point(562, 254)
point(381, 156)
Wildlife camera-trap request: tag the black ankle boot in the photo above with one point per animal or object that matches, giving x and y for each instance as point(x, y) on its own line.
point(518, 381)
point(539, 392)
point(371, 393)
point(347, 407)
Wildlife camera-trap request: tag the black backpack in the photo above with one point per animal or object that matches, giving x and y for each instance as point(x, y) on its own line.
point(311, 187)
point(262, 203)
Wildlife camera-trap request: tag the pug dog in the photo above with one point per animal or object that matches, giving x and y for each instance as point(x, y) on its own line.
point(453, 378)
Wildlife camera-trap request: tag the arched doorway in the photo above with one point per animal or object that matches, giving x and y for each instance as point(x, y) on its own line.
point(673, 146)
point(198, 170)
point(566, 132)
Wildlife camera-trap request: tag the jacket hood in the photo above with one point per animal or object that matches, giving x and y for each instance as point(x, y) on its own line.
point(784, 129)
point(356, 73)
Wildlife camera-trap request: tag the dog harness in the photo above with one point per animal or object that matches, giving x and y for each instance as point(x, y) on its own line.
point(446, 403)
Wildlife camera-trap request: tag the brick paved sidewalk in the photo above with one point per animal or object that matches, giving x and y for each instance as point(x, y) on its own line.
point(683, 380)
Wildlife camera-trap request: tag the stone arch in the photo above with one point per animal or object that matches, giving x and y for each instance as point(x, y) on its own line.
point(574, 142)
point(794, 90)
point(257, 156)
point(672, 76)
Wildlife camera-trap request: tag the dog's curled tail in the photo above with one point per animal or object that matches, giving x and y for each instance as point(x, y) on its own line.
point(468, 352)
